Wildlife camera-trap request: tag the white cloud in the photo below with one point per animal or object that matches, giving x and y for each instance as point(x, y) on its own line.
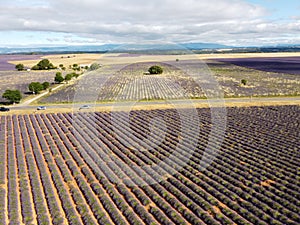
point(223, 21)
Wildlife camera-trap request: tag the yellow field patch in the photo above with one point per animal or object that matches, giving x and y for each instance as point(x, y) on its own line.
point(65, 59)
point(116, 58)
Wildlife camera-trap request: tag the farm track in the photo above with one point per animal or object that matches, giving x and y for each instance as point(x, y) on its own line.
point(83, 169)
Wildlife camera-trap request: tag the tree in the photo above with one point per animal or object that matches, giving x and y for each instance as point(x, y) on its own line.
point(61, 66)
point(14, 96)
point(44, 64)
point(35, 67)
point(20, 67)
point(46, 85)
point(58, 78)
point(155, 70)
point(35, 87)
point(94, 66)
point(68, 77)
point(244, 82)
point(51, 66)
point(76, 75)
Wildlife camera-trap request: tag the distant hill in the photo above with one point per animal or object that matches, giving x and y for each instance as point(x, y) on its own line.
point(59, 49)
point(147, 48)
point(197, 46)
point(108, 47)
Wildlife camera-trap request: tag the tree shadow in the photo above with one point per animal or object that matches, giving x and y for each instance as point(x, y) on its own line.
point(28, 93)
point(5, 103)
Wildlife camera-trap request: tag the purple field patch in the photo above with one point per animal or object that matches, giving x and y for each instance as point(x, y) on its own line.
point(4, 65)
point(290, 65)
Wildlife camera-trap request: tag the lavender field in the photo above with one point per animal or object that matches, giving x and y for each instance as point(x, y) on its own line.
point(259, 83)
point(4, 60)
point(21, 79)
point(265, 77)
point(130, 83)
point(55, 171)
point(288, 65)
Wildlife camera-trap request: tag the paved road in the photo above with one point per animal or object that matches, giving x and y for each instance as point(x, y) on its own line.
point(289, 100)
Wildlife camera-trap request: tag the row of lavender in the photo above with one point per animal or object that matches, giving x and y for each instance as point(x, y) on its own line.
point(56, 171)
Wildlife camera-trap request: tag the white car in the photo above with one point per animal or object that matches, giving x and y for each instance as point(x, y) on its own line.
point(84, 107)
point(41, 108)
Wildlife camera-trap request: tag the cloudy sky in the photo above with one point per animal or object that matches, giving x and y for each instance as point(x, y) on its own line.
point(84, 22)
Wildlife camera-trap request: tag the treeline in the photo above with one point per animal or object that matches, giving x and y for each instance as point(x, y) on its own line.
point(15, 96)
point(45, 64)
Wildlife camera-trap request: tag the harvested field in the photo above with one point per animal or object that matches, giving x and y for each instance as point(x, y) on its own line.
point(65, 59)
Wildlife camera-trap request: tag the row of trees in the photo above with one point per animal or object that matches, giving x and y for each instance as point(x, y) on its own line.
point(45, 64)
point(59, 78)
point(37, 87)
point(15, 96)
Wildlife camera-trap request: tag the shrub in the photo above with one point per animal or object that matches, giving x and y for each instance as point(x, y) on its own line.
point(20, 67)
point(94, 66)
point(244, 82)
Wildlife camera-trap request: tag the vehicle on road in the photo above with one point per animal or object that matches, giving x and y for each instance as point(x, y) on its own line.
point(3, 109)
point(85, 107)
point(41, 108)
